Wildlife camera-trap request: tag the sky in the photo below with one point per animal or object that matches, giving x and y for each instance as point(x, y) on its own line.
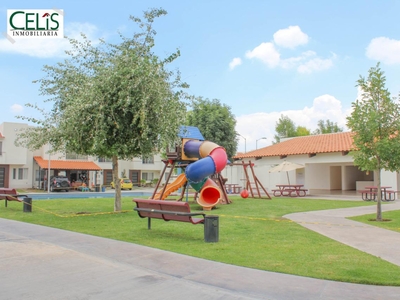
point(263, 59)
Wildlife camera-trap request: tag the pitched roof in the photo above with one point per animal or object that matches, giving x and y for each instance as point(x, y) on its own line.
point(190, 132)
point(66, 164)
point(311, 145)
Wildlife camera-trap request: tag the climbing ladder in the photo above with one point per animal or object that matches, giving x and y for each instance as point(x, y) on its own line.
point(253, 186)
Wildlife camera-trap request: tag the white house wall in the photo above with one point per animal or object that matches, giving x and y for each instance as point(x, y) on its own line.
point(12, 154)
point(317, 173)
point(390, 179)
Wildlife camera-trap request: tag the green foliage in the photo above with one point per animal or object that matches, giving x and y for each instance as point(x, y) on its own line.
point(375, 122)
point(215, 121)
point(252, 234)
point(302, 131)
point(327, 127)
point(118, 101)
point(284, 128)
point(111, 99)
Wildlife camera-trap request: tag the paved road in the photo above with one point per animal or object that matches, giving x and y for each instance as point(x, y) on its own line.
point(38, 262)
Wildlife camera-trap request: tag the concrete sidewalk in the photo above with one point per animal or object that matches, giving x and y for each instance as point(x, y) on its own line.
point(39, 262)
point(370, 239)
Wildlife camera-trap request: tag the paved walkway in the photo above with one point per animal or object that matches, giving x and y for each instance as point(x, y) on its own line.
point(371, 239)
point(38, 262)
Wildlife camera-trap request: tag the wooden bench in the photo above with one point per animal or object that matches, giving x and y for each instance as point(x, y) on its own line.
point(167, 211)
point(9, 194)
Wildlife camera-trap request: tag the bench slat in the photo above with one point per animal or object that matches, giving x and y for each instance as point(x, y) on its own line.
point(9, 194)
point(167, 211)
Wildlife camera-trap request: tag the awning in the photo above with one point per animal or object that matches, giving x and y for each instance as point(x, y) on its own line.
point(66, 164)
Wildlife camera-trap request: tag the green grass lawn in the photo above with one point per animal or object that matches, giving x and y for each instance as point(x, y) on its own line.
point(392, 220)
point(252, 233)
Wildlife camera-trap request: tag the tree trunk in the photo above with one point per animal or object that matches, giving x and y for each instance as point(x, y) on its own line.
point(117, 184)
point(379, 192)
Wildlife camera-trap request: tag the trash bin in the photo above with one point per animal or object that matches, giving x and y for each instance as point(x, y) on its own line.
point(211, 229)
point(97, 188)
point(27, 204)
point(103, 188)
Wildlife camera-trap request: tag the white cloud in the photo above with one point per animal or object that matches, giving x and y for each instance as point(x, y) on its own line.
point(16, 108)
point(385, 50)
point(237, 61)
point(255, 126)
point(267, 53)
point(315, 64)
point(308, 61)
point(48, 48)
point(290, 37)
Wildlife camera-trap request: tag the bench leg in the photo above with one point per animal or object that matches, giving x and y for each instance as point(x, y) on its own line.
point(148, 223)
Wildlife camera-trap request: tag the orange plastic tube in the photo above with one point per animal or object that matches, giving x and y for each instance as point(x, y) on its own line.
point(210, 195)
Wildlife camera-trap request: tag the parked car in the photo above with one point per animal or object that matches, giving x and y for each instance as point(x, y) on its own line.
point(59, 183)
point(126, 184)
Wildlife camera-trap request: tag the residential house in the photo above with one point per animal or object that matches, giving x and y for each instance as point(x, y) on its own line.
point(22, 168)
point(326, 159)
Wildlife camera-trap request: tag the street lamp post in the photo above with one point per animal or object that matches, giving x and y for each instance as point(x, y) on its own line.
point(48, 172)
point(244, 141)
point(263, 138)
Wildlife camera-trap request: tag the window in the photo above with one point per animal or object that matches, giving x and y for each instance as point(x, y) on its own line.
point(147, 176)
point(39, 176)
point(76, 156)
point(148, 160)
point(104, 159)
point(20, 173)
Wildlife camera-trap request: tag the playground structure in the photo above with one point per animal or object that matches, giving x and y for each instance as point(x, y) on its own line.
point(253, 186)
point(201, 162)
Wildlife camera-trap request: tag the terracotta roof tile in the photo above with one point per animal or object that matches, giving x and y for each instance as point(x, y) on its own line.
point(311, 144)
point(67, 164)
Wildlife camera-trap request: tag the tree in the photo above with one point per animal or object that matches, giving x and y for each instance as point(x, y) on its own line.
point(302, 131)
point(118, 101)
point(215, 121)
point(375, 122)
point(285, 128)
point(327, 127)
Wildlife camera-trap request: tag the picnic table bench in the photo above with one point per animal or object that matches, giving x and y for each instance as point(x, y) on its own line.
point(371, 193)
point(291, 190)
point(9, 194)
point(175, 211)
point(233, 188)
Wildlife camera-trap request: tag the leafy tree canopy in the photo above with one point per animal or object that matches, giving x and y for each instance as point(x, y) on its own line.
point(285, 128)
point(375, 122)
point(327, 127)
point(111, 100)
point(215, 121)
point(302, 131)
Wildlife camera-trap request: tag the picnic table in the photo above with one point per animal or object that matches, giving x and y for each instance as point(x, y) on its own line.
point(233, 188)
point(370, 193)
point(291, 190)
